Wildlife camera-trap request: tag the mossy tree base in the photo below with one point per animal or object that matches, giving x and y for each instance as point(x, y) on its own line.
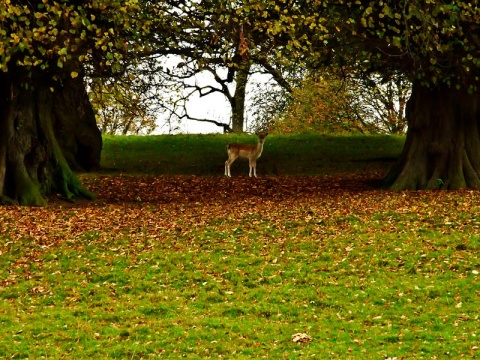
point(34, 143)
point(442, 148)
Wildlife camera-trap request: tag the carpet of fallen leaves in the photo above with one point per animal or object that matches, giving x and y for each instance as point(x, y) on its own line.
point(151, 206)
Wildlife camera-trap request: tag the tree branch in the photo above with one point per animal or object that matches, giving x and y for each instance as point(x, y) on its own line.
point(226, 127)
point(276, 74)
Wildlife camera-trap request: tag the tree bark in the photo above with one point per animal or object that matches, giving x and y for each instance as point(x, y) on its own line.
point(238, 103)
point(43, 128)
point(442, 148)
point(75, 126)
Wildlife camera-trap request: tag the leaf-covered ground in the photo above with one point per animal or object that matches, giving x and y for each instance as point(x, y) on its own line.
point(210, 266)
point(131, 204)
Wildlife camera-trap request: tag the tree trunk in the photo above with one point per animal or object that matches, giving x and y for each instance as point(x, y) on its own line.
point(41, 127)
point(442, 148)
point(238, 104)
point(75, 126)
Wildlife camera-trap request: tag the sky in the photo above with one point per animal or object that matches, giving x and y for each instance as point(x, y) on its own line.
point(213, 106)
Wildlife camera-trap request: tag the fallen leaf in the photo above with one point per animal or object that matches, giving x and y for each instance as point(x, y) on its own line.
point(301, 338)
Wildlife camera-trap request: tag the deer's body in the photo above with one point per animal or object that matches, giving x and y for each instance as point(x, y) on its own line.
point(246, 151)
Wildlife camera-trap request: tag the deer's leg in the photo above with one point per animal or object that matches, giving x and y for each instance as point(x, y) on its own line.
point(252, 167)
point(229, 163)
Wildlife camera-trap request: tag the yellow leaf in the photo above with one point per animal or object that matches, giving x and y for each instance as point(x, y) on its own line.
point(74, 74)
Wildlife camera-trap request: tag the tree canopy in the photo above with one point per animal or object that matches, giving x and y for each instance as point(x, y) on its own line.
point(59, 37)
point(430, 41)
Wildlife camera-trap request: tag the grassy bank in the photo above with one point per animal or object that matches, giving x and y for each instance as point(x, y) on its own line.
point(308, 154)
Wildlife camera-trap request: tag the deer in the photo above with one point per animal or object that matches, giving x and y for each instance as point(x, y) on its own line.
point(246, 151)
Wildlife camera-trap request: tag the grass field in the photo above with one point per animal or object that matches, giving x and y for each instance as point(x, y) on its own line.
point(283, 154)
point(172, 261)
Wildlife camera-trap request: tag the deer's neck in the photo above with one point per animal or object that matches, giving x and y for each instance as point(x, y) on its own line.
point(259, 148)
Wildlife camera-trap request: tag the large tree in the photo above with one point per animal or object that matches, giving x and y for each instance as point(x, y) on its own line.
point(47, 125)
point(436, 44)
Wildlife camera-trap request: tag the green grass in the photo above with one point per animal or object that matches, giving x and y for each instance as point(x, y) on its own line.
point(367, 274)
point(239, 288)
point(283, 154)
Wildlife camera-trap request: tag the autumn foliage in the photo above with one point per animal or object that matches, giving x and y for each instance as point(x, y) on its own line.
point(158, 205)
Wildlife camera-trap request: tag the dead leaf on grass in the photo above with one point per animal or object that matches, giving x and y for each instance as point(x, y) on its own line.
point(301, 338)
